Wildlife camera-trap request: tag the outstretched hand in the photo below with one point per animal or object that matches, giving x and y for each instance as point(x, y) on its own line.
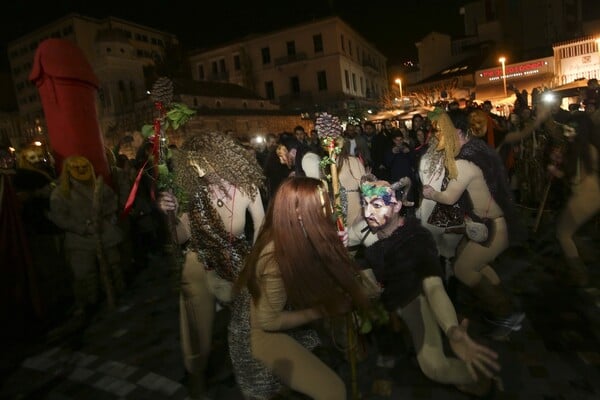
point(476, 356)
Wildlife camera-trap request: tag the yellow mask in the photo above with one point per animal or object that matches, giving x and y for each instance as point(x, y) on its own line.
point(80, 169)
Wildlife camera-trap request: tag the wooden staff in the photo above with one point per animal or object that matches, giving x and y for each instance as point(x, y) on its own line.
point(540, 212)
point(102, 262)
point(350, 334)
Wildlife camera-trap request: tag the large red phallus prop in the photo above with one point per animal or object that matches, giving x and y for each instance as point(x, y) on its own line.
point(67, 86)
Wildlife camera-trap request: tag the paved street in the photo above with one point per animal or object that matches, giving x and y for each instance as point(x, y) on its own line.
point(133, 352)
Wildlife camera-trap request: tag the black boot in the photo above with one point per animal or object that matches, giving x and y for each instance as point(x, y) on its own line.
point(576, 273)
point(499, 308)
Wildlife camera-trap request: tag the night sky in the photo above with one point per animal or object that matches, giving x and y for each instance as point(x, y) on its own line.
point(393, 26)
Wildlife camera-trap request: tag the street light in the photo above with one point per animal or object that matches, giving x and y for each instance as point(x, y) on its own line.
point(399, 82)
point(503, 61)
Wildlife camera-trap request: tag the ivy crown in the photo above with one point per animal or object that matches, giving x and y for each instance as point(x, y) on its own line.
point(383, 192)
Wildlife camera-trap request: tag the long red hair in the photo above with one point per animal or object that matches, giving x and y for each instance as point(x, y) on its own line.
point(314, 264)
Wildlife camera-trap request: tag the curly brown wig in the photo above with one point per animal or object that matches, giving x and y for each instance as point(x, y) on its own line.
point(222, 158)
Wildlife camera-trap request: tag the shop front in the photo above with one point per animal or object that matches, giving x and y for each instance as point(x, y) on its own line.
point(499, 84)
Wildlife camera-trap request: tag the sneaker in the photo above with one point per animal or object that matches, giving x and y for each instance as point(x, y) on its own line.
point(512, 322)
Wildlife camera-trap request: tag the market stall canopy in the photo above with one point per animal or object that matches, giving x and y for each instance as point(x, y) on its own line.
point(399, 113)
point(506, 101)
point(572, 88)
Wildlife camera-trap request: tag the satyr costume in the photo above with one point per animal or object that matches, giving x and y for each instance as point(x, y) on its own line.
point(85, 208)
point(297, 272)
point(405, 262)
point(580, 172)
point(221, 181)
point(350, 170)
point(436, 168)
point(482, 190)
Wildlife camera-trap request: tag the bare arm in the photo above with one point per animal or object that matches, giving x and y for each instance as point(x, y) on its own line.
point(440, 303)
point(183, 228)
point(476, 356)
point(257, 213)
point(517, 136)
point(270, 307)
point(456, 187)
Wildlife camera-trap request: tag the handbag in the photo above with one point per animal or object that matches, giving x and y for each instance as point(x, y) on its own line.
point(480, 230)
point(476, 231)
point(446, 215)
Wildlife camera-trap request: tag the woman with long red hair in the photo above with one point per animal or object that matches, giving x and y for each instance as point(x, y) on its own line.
point(298, 272)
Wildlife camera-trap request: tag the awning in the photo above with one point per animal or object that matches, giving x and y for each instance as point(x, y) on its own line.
point(400, 113)
point(571, 89)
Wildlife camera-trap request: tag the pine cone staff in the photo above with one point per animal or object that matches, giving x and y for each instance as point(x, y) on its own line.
point(162, 91)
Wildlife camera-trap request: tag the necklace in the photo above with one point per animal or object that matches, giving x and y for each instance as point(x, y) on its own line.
point(225, 196)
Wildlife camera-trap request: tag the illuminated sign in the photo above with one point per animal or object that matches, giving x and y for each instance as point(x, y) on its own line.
point(514, 70)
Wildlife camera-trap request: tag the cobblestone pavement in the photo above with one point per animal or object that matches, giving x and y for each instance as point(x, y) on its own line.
point(133, 352)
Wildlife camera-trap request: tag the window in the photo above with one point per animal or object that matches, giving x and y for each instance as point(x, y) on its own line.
point(318, 43)
point(201, 72)
point(269, 90)
point(362, 86)
point(291, 48)
point(350, 46)
point(322, 80)
point(222, 65)
point(354, 81)
point(266, 55)
point(237, 65)
point(347, 78)
point(215, 68)
point(295, 84)
point(343, 43)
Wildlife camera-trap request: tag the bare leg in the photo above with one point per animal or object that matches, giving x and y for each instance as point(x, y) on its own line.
point(196, 312)
point(427, 340)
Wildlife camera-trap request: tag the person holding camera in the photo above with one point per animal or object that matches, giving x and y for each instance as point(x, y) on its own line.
point(400, 160)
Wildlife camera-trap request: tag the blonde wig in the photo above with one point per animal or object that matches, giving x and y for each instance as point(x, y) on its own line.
point(446, 133)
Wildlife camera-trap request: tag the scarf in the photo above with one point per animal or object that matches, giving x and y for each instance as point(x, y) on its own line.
point(216, 248)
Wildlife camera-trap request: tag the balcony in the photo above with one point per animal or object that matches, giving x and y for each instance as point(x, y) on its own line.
point(370, 65)
point(296, 99)
point(222, 76)
point(290, 59)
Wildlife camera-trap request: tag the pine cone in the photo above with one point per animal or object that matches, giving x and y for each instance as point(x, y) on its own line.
point(162, 91)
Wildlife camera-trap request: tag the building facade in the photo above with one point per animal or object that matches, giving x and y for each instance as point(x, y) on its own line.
point(118, 50)
point(526, 27)
point(321, 65)
point(576, 59)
